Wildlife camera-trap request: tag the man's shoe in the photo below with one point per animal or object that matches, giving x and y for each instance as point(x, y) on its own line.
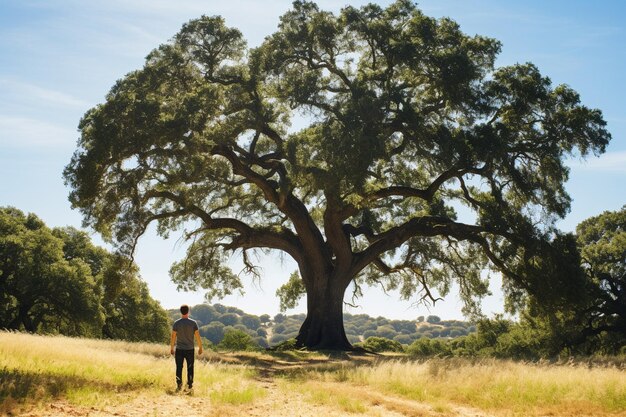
point(179, 387)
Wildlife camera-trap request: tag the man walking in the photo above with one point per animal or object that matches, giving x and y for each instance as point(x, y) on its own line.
point(183, 333)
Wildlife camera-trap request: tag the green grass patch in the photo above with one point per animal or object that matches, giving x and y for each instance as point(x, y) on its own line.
point(237, 396)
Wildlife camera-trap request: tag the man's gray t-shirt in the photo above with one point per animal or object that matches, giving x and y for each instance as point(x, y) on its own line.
point(185, 329)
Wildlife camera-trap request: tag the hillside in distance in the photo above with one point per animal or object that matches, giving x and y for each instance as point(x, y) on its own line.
point(215, 320)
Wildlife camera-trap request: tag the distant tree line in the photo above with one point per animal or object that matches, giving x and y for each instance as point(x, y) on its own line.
point(494, 338)
point(230, 328)
point(216, 321)
point(55, 280)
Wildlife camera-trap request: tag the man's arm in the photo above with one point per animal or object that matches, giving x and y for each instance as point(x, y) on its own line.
point(172, 342)
point(199, 340)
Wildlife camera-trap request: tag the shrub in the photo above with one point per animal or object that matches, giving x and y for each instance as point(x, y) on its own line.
point(286, 344)
point(420, 348)
point(427, 347)
point(237, 340)
point(382, 344)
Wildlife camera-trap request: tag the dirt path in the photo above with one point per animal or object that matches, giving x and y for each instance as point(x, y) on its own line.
point(277, 402)
point(279, 397)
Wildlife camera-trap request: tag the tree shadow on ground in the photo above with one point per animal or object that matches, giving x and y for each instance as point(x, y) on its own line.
point(17, 386)
point(295, 364)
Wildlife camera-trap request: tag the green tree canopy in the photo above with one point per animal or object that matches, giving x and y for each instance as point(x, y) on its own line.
point(40, 289)
point(592, 316)
point(346, 141)
point(57, 280)
point(602, 242)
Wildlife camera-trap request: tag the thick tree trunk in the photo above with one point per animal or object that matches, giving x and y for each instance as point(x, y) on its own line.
point(323, 326)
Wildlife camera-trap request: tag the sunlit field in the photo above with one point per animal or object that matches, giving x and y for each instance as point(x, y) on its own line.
point(54, 375)
point(494, 386)
point(36, 369)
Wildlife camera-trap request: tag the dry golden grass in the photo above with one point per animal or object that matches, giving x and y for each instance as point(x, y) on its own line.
point(91, 372)
point(35, 370)
point(499, 387)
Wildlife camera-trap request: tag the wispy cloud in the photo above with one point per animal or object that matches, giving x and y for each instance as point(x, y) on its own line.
point(23, 132)
point(31, 92)
point(608, 162)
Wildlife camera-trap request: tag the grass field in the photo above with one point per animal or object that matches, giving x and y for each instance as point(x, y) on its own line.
point(45, 375)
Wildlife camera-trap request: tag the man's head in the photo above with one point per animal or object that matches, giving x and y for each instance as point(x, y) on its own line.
point(184, 309)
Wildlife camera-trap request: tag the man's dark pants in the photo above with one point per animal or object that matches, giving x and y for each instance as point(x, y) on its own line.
point(180, 356)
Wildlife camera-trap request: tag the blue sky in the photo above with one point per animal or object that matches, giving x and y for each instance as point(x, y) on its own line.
point(58, 58)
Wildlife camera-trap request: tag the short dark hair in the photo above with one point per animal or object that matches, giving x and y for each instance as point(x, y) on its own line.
point(184, 309)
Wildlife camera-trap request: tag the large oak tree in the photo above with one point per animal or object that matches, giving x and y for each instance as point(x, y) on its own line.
point(348, 142)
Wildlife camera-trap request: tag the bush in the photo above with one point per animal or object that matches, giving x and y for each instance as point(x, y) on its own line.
point(426, 347)
point(237, 340)
point(518, 343)
point(420, 348)
point(382, 344)
point(287, 344)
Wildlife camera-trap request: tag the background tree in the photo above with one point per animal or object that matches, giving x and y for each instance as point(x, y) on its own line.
point(130, 312)
point(41, 289)
point(204, 313)
point(404, 119)
point(58, 281)
point(602, 242)
point(594, 318)
point(213, 331)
